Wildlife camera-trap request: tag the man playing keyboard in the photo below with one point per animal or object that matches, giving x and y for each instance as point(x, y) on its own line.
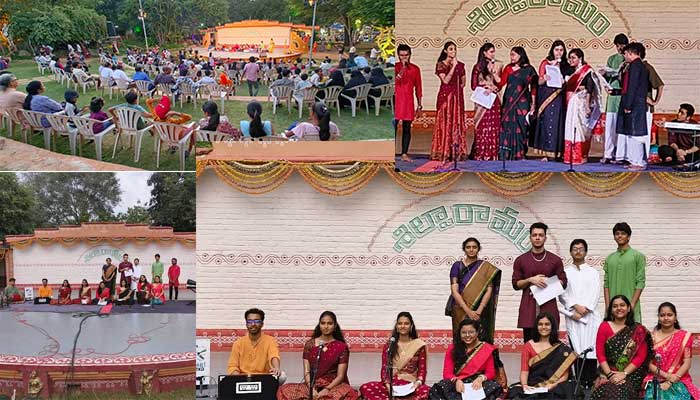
point(681, 147)
point(256, 353)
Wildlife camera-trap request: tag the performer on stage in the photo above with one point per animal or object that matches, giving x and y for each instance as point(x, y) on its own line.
point(474, 285)
point(125, 295)
point(143, 291)
point(580, 307)
point(157, 292)
point(486, 73)
point(12, 293)
point(468, 361)
point(173, 278)
point(327, 355)
point(449, 134)
point(409, 359)
point(125, 266)
point(625, 270)
point(533, 268)
point(64, 293)
point(84, 293)
point(631, 120)
point(518, 104)
point(256, 352)
point(584, 100)
point(157, 267)
point(624, 349)
point(109, 274)
point(103, 294)
point(680, 148)
point(408, 83)
point(655, 83)
point(545, 362)
point(674, 345)
point(612, 72)
point(45, 293)
point(548, 139)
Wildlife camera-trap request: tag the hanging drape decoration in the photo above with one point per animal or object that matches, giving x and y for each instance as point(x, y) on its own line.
point(424, 183)
point(680, 184)
point(96, 240)
point(253, 178)
point(601, 184)
point(338, 180)
point(514, 184)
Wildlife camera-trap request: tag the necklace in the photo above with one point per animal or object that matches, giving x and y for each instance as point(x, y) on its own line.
point(542, 259)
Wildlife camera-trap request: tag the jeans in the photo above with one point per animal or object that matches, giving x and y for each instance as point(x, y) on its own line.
point(253, 85)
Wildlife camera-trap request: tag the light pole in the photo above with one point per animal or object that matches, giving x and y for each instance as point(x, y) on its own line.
point(313, 3)
point(142, 17)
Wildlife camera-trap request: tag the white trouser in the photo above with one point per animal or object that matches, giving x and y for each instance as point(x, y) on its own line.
point(610, 135)
point(632, 149)
point(649, 121)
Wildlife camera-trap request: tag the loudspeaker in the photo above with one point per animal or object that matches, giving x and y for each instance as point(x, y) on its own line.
point(110, 29)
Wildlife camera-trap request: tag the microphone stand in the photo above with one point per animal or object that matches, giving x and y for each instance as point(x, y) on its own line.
point(312, 379)
point(578, 371)
point(655, 382)
point(390, 370)
point(503, 158)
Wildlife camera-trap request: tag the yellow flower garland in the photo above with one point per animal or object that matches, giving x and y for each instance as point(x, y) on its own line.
point(601, 184)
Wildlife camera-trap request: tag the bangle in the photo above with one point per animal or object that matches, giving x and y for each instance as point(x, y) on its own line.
point(609, 374)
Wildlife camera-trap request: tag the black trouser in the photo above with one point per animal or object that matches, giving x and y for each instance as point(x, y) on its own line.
point(405, 135)
point(171, 287)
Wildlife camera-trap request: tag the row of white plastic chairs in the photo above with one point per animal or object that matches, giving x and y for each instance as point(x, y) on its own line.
point(79, 128)
point(332, 94)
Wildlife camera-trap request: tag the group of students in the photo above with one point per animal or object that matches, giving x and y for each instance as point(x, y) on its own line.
point(558, 122)
point(133, 287)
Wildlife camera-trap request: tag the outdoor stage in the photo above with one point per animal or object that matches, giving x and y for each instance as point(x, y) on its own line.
point(134, 352)
point(277, 55)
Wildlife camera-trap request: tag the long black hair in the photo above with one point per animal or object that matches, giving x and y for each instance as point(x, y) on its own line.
point(33, 89)
point(324, 120)
point(579, 54)
point(553, 335)
point(254, 111)
point(459, 351)
point(556, 43)
point(212, 109)
point(412, 333)
point(337, 332)
point(673, 308)
point(483, 62)
point(443, 53)
point(524, 60)
point(629, 321)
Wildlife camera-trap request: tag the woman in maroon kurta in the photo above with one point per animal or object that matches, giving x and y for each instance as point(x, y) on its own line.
point(449, 134)
point(487, 121)
point(408, 82)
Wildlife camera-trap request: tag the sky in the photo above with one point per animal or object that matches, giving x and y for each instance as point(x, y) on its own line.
point(134, 189)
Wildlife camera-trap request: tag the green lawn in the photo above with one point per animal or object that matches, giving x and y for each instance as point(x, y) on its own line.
point(362, 127)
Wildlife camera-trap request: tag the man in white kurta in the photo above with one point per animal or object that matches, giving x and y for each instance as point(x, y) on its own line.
point(580, 307)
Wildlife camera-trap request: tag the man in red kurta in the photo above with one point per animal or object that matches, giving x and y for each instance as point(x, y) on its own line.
point(408, 82)
point(173, 278)
point(533, 268)
point(125, 266)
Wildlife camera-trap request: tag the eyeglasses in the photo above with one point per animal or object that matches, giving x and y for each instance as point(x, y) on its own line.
point(253, 321)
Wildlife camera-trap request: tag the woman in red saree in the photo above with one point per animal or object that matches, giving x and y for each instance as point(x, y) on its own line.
point(84, 293)
point(64, 293)
point(450, 132)
point(468, 361)
point(103, 294)
point(326, 355)
point(624, 349)
point(409, 363)
point(487, 121)
point(584, 99)
point(143, 291)
point(157, 291)
point(674, 346)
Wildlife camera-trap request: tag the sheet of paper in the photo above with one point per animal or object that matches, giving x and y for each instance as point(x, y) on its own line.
point(471, 394)
point(128, 272)
point(555, 79)
point(553, 289)
point(403, 390)
point(480, 97)
point(536, 390)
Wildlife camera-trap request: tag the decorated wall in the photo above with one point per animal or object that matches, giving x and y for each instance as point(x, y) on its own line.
point(669, 30)
point(381, 247)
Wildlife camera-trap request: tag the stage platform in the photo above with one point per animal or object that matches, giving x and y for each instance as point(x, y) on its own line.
point(277, 55)
point(124, 352)
point(170, 307)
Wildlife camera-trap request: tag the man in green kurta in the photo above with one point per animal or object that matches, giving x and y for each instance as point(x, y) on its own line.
point(612, 75)
point(157, 268)
point(625, 270)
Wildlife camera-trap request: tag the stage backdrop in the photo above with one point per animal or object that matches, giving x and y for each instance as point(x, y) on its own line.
point(669, 30)
point(295, 252)
point(77, 252)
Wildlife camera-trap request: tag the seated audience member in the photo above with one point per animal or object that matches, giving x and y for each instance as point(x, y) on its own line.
point(377, 78)
point(157, 292)
point(10, 97)
point(103, 294)
point(680, 148)
point(106, 72)
point(366, 73)
point(124, 293)
point(285, 80)
point(143, 291)
point(132, 99)
point(64, 293)
point(256, 352)
point(317, 77)
point(96, 113)
point(139, 75)
point(356, 79)
point(361, 61)
point(119, 74)
point(468, 361)
point(161, 110)
point(256, 127)
point(36, 101)
point(215, 122)
point(165, 77)
point(12, 293)
point(319, 124)
point(84, 293)
point(45, 293)
point(301, 86)
point(542, 357)
point(206, 80)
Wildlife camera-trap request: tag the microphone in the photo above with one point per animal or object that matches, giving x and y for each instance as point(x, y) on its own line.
point(321, 344)
point(588, 350)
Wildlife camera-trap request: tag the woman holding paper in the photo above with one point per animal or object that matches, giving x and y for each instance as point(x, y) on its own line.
point(584, 100)
point(486, 78)
point(450, 132)
point(469, 366)
point(544, 364)
point(518, 104)
point(548, 140)
point(408, 355)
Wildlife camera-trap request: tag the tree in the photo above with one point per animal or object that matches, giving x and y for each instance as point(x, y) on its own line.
point(274, 10)
point(137, 214)
point(18, 213)
point(74, 198)
point(173, 201)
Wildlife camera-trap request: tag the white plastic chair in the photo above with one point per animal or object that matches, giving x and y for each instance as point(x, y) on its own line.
point(16, 119)
point(142, 88)
point(386, 94)
point(361, 92)
point(34, 119)
point(122, 86)
point(106, 84)
point(212, 136)
point(309, 98)
point(332, 97)
point(173, 135)
point(188, 90)
point(127, 119)
point(82, 79)
point(61, 126)
point(166, 90)
point(85, 129)
point(282, 94)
